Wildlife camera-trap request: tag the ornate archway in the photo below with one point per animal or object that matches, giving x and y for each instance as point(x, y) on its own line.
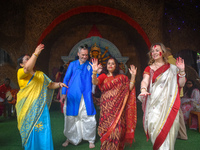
point(91, 9)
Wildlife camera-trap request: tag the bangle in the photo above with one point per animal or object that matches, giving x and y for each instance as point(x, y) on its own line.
point(35, 54)
point(59, 84)
point(181, 75)
point(132, 82)
point(182, 71)
point(94, 72)
point(143, 88)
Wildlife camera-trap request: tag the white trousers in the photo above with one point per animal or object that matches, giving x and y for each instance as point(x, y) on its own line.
point(81, 127)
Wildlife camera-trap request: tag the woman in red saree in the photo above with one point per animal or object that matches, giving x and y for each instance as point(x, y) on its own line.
point(117, 105)
point(160, 98)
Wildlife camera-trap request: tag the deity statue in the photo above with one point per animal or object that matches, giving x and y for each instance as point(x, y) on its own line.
point(95, 52)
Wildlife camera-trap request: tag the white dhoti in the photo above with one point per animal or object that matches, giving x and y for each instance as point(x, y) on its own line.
point(81, 127)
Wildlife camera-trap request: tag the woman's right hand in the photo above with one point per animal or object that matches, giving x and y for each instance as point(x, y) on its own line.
point(144, 93)
point(39, 48)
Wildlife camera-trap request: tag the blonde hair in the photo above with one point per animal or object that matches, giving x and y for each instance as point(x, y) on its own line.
point(164, 55)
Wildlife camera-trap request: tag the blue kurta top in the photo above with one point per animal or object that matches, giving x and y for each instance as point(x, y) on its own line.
point(79, 80)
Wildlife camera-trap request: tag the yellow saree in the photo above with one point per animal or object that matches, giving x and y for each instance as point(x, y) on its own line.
point(30, 106)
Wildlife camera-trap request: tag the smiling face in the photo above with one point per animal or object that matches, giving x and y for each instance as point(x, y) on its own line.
point(83, 55)
point(24, 60)
point(156, 52)
point(111, 66)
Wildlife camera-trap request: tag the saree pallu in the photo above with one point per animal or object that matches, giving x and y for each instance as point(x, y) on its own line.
point(118, 114)
point(161, 116)
point(33, 102)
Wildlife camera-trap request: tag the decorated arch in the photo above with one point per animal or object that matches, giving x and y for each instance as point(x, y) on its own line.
point(92, 9)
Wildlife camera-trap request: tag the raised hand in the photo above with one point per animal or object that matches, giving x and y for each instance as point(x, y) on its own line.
point(39, 48)
point(100, 68)
point(133, 70)
point(94, 64)
point(180, 64)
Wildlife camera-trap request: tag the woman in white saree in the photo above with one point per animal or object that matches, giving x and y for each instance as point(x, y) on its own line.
point(160, 98)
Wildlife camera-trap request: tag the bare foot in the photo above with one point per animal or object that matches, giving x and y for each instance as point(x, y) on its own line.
point(65, 143)
point(91, 145)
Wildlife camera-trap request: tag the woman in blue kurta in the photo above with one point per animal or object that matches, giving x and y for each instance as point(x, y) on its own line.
point(33, 102)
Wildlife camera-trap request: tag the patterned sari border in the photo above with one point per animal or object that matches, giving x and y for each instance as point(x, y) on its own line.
point(169, 122)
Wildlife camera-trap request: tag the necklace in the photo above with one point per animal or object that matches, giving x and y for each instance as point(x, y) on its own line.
point(157, 65)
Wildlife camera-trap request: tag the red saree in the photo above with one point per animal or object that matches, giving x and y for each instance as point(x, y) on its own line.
point(118, 113)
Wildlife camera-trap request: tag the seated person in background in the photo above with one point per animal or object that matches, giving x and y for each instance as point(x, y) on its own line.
point(3, 89)
point(191, 95)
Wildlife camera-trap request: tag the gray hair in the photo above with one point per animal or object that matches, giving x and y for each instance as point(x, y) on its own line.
point(85, 47)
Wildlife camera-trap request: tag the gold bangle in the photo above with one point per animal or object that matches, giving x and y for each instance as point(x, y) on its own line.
point(132, 82)
point(181, 75)
point(94, 72)
point(143, 88)
point(35, 54)
point(181, 72)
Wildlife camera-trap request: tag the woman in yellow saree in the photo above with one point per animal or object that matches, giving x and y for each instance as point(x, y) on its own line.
point(33, 102)
point(118, 114)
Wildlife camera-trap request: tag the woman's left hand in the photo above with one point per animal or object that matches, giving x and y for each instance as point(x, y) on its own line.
point(133, 70)
point(180, 64)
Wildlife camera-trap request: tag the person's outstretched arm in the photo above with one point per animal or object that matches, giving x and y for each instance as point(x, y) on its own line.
point(95, 68)
point(28, 67)
point(55, 85)
point(133, 72)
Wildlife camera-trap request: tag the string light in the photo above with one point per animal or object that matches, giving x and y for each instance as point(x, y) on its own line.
point(182, 14)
